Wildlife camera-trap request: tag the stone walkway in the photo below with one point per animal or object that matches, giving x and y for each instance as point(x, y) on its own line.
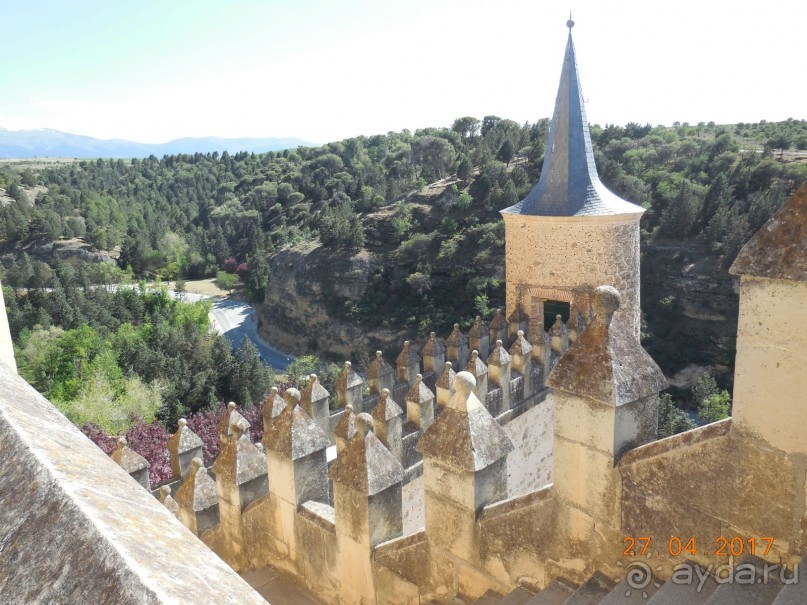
point(278, 589)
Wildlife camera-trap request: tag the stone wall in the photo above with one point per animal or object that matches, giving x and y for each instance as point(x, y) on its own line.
point(573, 254)
point(771, 353)
point(74, 528)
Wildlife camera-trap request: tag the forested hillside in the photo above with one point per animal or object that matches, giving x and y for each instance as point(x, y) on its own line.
point(421, 207)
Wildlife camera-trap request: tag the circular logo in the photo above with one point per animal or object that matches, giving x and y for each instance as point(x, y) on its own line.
point(638, 575)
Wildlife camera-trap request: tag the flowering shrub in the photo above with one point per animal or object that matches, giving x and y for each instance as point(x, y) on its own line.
point(151, 440)
point(230, 265)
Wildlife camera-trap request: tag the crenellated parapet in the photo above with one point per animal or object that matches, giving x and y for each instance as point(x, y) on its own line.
point(444, 385)
point(349, 388)
point(433, 354)
point(315, 400)
point(132, 462)
point(183, 447)
point(198, 499)
point(381, 374)
point(457, 347)
point(479, 338)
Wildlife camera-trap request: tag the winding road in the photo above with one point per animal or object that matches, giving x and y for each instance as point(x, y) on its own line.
point(235, 320)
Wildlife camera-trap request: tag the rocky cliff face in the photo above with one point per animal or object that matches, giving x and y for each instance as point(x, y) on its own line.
point(308, 285)
point(689, 307)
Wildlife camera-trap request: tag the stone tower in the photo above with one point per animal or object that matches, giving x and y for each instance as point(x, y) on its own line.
point(571, 234)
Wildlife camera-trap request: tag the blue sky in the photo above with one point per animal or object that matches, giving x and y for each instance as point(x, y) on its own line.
point(325, 70)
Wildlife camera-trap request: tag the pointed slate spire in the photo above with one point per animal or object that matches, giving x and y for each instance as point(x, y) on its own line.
point(569, 184)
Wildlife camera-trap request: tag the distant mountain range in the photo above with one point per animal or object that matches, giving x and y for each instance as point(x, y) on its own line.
point(44, 142)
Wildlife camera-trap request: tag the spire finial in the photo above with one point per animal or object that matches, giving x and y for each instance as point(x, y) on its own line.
point(570, 23)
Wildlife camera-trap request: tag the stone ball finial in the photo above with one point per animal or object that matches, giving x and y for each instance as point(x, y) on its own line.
point(292, 397)
point(231, 406)
point(196, 464)
point(478, 319)
point(499, 343)
point(378, 354)
point(406, 343)
point(165, 491)
point(384, 393)
point(183, 422)
point(364, 424)
point(273, 391)
point(122, 443)
point(349, 408)
point(448, 365)
point(418, 377)
point(432, 335)
point(312, 377)
point(464, 383)
point(474, 354)
point(605, 301)
point(236, 430)
point(520, 333)
point(456, 326)
point(347, 365)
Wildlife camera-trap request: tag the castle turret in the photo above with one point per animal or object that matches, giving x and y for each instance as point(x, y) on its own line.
point(570, 233)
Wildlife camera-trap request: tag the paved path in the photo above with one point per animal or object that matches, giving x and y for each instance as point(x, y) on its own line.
point(235, 320)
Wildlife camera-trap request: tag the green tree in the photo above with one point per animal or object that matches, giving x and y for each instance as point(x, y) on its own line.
point(671, 419)
point(340, 228)
point(467, 128)
point(780, 141)
point(226, 281)
point(506, 152)
point(715, 407)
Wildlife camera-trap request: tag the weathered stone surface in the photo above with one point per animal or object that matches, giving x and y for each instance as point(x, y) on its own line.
point(313, 391)
point(465, 435)
point(433, 354)
point(294, 434)
point(576, 255)
point(132, 462)
point(345, 428)
point(707, 487)
point(457, 347)
point(444, 386)
point(606, 362)
point(380, 374)
point(231, 417)
point(407, 363)
point(365, 465)
point(168, 501)
point(183, 446)
point(498, 327)
point(779, 249)
point(479, 338)
point(770, 381)
point(272, 407)
point(198, 499)
point(420, 404)
point(75, 529)
point(349, 387)
point(239, 460)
